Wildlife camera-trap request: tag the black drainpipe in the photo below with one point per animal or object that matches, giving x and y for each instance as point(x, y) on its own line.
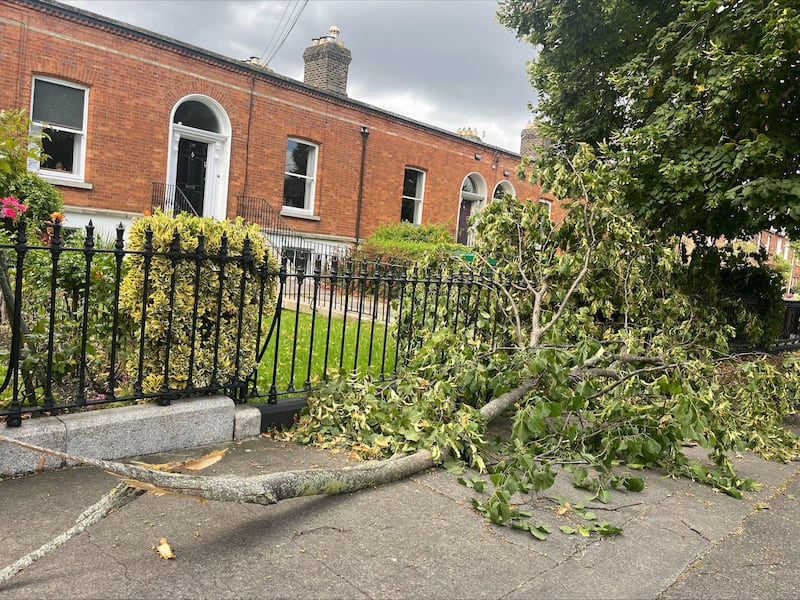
point(247, 144)
point(364, 136)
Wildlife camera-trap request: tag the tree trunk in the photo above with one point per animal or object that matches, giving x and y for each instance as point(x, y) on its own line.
point(8, 302)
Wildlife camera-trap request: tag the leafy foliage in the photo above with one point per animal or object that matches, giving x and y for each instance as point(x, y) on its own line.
point(742, 287)
point(431, 405)
point(409, 242)
point(17, 145)
point(696, 100)
point(210, 325)
point(29, 205)
point(83, 275)
point(578, 43)
point(625, 369)
point(41, 197)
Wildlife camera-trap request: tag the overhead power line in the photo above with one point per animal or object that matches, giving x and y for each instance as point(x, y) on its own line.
point(284, 27)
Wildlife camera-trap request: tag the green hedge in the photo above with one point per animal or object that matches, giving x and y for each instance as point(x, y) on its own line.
point(406, 241)
point(215, 355)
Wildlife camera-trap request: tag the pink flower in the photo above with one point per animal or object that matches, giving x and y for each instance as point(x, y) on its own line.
point(11, 207)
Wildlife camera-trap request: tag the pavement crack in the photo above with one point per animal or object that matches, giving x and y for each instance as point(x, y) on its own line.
point(697, 531)
point(104, 552)
point(338, 574)
point(316, 529)
point(714, 544)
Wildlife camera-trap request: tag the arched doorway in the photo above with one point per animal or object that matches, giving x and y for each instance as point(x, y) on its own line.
point(472, 200)
point(199, 154)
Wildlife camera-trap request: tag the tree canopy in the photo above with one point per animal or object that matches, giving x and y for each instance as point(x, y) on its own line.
point(695, 101)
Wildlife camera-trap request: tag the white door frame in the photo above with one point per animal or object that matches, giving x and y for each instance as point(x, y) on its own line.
point(215, 194)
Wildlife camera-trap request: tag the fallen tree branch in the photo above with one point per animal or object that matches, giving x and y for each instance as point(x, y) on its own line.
point(261, 489)
point(271, 488)
point(118, 497)
point(505, 401)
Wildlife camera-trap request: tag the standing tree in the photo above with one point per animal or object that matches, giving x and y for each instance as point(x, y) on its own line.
point(695, 100)
point(17, 147)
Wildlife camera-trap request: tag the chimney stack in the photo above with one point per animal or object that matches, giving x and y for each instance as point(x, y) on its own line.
point(531, 142)
point(469, 133)
point(326, 63)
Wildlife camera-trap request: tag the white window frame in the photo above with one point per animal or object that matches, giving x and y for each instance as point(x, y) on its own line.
point(417, 200)
point(504, 187)
point(78, 172)
point(549, 205)
point(310, 182)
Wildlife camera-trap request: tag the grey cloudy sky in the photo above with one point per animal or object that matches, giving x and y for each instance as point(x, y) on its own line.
point(446, 63)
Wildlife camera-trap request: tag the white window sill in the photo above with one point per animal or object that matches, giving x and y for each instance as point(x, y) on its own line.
point(82, 185)
point(295, 214)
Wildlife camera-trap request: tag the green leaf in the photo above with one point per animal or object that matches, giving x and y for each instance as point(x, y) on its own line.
point(567, 529)
point(634, 484)
point(539, 530)
point(606, 528)
point(454, 466)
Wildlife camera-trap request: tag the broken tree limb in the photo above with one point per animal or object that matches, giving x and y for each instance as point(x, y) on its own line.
point(261, 489)
point(271, 488)
point(118, 497)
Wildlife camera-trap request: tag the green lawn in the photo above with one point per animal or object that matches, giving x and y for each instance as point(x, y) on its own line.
point(338, 354)
point(370, 337)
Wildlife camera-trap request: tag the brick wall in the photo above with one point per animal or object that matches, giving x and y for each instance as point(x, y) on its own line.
point(136, 80)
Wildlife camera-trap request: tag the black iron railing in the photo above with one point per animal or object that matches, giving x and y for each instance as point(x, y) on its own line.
point(69, 345)
point(301, 254)
point(300, 250)
point(789, 338)
point(170, 199)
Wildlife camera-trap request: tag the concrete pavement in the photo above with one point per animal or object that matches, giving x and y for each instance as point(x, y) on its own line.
point(417, 538)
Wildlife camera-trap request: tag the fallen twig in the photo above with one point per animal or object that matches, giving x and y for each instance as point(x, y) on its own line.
point(117, 497)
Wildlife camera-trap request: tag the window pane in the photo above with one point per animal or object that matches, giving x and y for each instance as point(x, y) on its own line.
point(411, 184)
point(297, 157)
point(297, 259)
point(468, 185)
point(196, 114)
point(60, 150)
point(407, 210)
point(56, 104)
point(294, 192)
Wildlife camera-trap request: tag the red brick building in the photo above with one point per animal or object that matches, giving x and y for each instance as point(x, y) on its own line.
point(778, 245)
point(134, 116)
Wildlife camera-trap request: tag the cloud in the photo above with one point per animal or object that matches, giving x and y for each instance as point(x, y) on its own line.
point(445, 63)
